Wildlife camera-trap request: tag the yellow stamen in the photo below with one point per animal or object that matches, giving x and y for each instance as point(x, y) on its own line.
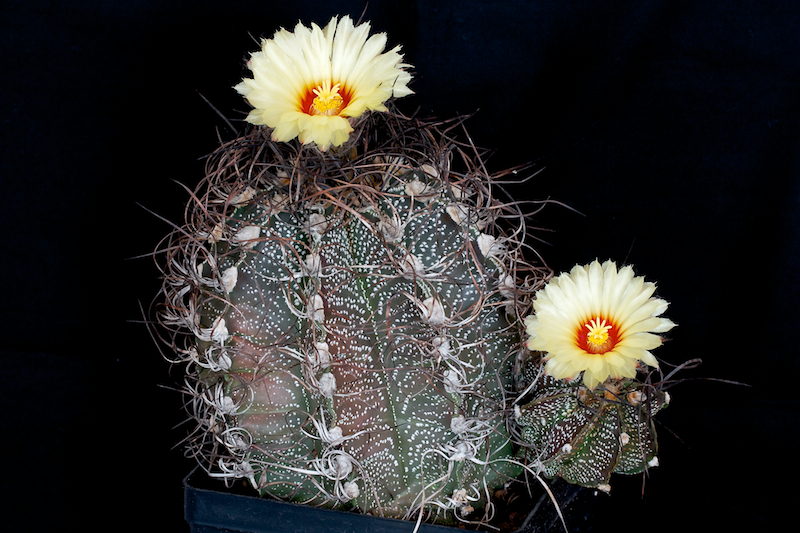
point(328, 100)
point(598, 331)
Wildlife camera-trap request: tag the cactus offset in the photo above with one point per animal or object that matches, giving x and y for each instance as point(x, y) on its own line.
point(354, 322)
point(582, 435)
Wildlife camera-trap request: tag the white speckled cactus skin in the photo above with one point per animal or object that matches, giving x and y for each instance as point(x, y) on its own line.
point(354, 322)
point(585, 436)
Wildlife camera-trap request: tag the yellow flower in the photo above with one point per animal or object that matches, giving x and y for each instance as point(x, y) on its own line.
point(309, 82)
point(598, 321)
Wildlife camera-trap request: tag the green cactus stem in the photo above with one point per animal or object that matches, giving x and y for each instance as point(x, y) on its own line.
point(350, 322)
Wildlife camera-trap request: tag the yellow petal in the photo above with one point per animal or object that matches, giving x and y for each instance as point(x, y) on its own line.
point(645, 341)
point(291, 64)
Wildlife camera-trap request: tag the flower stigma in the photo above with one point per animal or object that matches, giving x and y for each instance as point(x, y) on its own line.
point(600, 337)
point(327, 101)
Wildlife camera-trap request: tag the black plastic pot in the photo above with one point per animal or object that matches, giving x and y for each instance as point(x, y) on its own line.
point(210, 510)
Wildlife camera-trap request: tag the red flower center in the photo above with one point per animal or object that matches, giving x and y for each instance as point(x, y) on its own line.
point(598, 336)
point(325, 99)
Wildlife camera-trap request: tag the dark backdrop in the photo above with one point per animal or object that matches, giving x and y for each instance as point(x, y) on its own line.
point(669, 127)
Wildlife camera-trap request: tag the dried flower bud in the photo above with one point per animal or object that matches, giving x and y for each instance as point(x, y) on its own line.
point(327, 385)
point(247, 237)
point(229, 278)
point(351, 490)
point(433, 311)
point(316, 309)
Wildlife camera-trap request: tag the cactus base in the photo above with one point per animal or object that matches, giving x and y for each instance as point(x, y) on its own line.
point(211, 509)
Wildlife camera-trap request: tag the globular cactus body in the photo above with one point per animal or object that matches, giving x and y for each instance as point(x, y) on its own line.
point(355, 323)
point(584, 436)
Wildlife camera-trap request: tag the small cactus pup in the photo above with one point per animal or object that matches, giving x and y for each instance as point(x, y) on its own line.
point(347, 294)
point(599, 322)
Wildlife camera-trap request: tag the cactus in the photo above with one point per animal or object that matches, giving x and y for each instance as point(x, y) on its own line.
point(351, 321)
point(583, 435)
point(349, 296)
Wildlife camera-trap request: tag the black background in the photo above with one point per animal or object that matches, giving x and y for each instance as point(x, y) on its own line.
point(669, 127)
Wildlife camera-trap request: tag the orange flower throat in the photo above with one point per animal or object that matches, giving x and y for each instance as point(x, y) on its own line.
point(598, 336)
point(325, 99)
